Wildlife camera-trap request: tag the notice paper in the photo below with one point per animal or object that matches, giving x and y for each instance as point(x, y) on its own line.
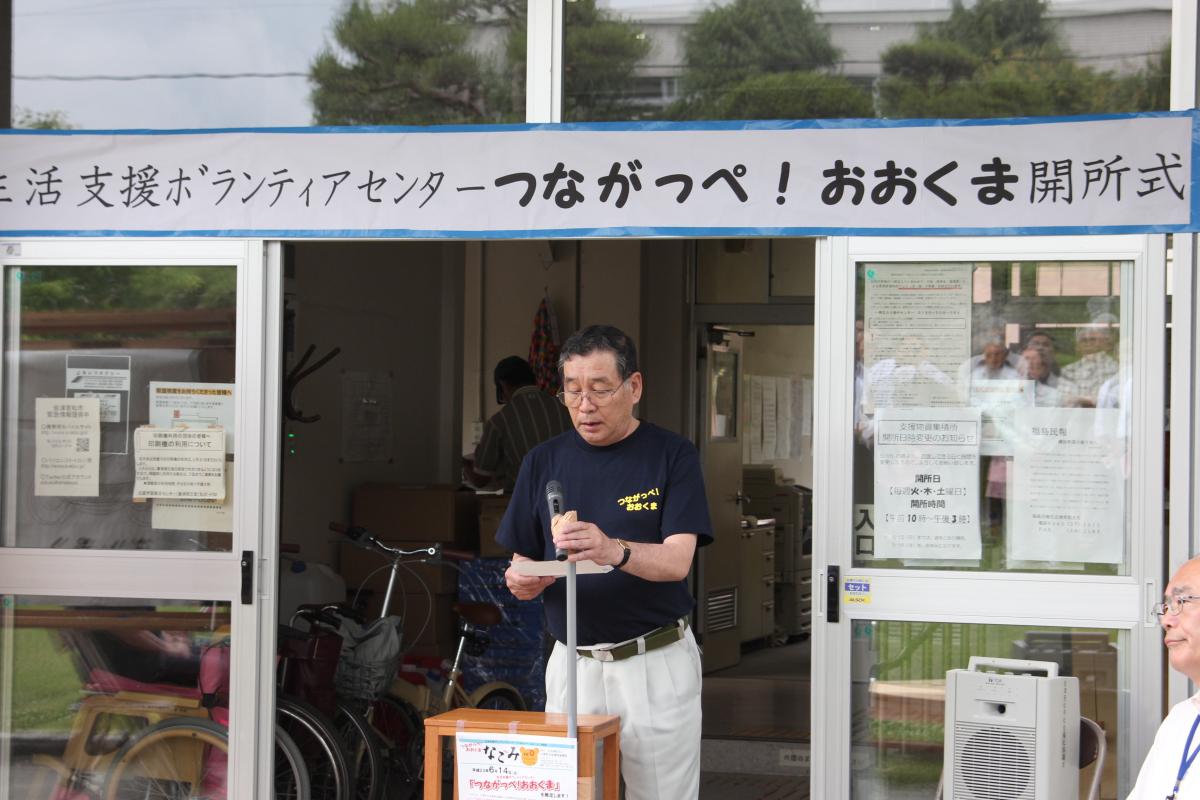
point(999, 401)
point(174, 514)
point(176, 404)
point(67, 447)
point(927, 483)
point(916, 334)
point(107, 378)
point(181, 463)
point(500, 766)
point(1066, 498)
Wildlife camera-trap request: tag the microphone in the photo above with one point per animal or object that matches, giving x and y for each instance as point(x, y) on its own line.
point(555, 503)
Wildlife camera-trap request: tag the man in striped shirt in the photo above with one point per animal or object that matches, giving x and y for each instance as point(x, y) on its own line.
point(526, 417)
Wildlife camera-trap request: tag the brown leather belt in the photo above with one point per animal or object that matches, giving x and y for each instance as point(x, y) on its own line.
point(659, 637)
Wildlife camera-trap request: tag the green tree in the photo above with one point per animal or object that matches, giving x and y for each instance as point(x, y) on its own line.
point(762, 59)
point(29, 119)
point(406, 63)
point(995, 58)
point(415, 62)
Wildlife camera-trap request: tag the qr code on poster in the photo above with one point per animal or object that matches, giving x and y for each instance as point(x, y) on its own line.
point(83, 444)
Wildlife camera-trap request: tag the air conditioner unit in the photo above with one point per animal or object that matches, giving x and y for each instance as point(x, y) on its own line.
point(1011, 736)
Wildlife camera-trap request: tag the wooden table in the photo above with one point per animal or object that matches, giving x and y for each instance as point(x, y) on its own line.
point(591, 728)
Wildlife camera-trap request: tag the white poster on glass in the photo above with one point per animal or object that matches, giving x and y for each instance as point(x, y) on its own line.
point(999, 401)
point(1066, 492)
point(67, 447)
point(175, 404)
point(916, 334)
point(927, 483)
point(182, 463)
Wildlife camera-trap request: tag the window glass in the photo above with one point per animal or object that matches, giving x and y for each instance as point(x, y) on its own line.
point(900, 691)
point(991, 416)
point(182, 64)
point(103, 690)
point(797, 59)
point(118, 401)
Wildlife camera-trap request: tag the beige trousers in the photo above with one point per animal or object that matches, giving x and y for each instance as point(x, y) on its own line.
point(657, 697)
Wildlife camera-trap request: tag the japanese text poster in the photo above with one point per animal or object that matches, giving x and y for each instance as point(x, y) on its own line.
point(916, 335)
point(179, 462)
point(67, 447)
point(105, 377)
point(193, 405)
point(927, 483)
point(495, 766)
point(1066, 493)
point(999, 401)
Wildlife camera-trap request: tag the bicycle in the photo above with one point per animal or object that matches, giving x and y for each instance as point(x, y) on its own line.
point(398, 715)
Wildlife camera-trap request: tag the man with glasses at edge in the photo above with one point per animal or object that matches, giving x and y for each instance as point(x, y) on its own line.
point(639, 496)
point(1168, 770)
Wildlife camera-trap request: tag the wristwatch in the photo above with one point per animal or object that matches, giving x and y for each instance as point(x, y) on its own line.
point(625, 558)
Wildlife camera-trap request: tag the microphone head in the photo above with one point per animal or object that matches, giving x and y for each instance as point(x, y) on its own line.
point(554, 487)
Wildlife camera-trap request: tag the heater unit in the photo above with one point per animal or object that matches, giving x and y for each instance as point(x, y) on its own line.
point(1011, 735)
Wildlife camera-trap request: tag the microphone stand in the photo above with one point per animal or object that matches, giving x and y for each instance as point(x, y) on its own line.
point(573, 654)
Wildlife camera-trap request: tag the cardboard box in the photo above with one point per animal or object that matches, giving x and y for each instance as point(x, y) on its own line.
point(394, 512)
point(369, 569)
point(491, 511)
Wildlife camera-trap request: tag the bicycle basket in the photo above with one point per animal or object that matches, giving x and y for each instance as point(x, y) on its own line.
point(370, 657)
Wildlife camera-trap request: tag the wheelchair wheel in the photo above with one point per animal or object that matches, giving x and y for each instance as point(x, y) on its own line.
point(177, 758)
point(320, 744)
point(291, 773)
point(367, 769)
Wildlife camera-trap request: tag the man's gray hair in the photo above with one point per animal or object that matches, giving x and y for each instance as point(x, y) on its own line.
point(601, 338)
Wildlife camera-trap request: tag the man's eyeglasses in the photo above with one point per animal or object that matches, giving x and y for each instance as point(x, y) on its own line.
point(599, 397)
point(1173, 605)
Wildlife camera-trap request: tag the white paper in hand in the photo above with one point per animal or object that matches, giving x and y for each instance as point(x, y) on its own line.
point(557, 569)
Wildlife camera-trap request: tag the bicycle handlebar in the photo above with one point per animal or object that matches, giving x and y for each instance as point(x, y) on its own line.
point(456, 555)
point(362, 538)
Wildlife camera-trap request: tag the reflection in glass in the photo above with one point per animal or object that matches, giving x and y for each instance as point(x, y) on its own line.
point(991, 411)
point(84, 346)
point(724, 394)
point(792, 59)
point(898, 693)
point(113, 694)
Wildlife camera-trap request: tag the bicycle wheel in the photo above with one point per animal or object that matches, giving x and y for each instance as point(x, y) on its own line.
point(502, 698)
point(367, 773)
point(401, 731)
point(291, 774)
point(320, 745)
point(176, 759)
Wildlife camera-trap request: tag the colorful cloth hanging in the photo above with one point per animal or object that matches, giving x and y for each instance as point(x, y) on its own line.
point(543, 347)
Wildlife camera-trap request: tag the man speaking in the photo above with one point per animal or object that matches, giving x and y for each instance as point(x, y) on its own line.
point(640, 507)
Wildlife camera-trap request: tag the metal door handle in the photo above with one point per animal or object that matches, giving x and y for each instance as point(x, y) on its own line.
point(247, 577)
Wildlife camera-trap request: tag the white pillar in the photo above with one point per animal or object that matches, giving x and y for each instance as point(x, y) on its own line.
point(543, 62)
point(1184, 488)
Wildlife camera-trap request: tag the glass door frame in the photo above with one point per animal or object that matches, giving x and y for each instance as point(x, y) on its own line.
point(928, 595)
point(188, 575)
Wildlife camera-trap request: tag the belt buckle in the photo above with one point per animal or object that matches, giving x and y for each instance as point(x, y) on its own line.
point(602, 655)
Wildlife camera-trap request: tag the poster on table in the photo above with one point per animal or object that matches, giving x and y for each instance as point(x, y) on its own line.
point(106, 378)
point(999, 401)
point(67, 447)
point(916, 334)
point(927, 483)
point(1067, 488)
point(183, 463)
point(175, 404)
point(514, 766)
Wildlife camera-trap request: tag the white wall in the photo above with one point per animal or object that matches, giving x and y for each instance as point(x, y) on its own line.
point(390, 307)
